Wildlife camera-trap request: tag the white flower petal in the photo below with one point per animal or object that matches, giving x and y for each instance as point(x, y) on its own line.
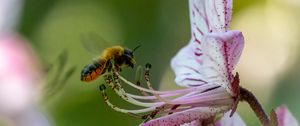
point(226, 120)
point(209, 16)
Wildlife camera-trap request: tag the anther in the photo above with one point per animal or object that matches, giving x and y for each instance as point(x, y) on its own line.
point(102, 87)
point(148, 65)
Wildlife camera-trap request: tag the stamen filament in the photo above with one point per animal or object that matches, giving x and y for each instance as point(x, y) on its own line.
point(147, 78)
point(106, 100)
point(199, 88)
point(151, 97)
point(202, 99)
point(116, 86)
point(138, 77)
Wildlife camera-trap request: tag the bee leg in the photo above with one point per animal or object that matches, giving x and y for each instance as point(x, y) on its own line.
point(130, 64)
point(109, 66)
point(114, 67)
point(117, 68)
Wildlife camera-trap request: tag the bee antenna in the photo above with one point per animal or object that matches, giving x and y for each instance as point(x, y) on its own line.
point(137, 47)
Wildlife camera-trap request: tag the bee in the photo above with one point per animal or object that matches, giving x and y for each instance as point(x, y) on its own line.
point(115, 55)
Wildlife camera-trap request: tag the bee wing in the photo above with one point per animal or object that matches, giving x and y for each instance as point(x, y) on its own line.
point(94, 43)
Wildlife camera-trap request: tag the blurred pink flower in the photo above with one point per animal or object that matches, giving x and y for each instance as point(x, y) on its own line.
point(19, 71)
point(285, 118)
point(19, 80)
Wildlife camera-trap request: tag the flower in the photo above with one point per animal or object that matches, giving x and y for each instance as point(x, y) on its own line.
point(19, 70)
point(207, 63)
point(19, 83)
point(213, 51)
point(204, 66)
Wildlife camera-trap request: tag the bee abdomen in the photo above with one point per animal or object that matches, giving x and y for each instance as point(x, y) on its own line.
point(92, 71)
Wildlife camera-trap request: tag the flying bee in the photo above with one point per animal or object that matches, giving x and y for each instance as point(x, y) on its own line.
point(115, 55)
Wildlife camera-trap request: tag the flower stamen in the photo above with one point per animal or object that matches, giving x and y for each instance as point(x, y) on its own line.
point(130, 112)
point(147, 78)
point(116, 86)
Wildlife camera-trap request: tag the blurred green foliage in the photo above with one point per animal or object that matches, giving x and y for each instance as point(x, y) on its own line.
point(287, 90)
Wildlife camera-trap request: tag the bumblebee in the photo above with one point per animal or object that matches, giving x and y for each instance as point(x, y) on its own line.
point(115, 55)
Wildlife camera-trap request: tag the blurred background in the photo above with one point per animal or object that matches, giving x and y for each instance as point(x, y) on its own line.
point(268, 66)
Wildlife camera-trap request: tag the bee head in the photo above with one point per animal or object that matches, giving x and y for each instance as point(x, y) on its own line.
point(128, 53)
point(129, 56)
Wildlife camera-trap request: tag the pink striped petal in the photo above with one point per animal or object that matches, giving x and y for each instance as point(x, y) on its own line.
point(196, 117)
point(226, 120)
point(221, 52)
point(212, 52)
point(187, 116)
point(209, 16)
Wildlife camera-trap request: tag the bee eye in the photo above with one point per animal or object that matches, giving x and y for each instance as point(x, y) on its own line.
point(128, 53)
point(128, 56)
